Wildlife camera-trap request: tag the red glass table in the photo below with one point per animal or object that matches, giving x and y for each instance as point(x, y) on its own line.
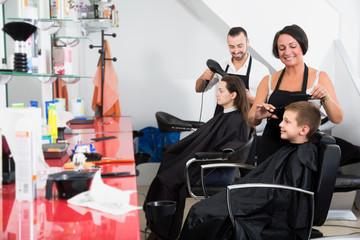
point(55, 218)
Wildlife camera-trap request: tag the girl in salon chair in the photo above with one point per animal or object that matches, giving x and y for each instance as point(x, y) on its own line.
point(227, 130)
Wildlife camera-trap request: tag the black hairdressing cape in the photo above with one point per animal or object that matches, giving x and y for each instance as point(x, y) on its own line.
point(257, 215)
point(226, 130)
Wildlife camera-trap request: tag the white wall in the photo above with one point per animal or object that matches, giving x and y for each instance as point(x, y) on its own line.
point(262, 19)
point(162, 48)
point(349, 28)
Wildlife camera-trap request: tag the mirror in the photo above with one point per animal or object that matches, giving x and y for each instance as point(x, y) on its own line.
point(23, 89)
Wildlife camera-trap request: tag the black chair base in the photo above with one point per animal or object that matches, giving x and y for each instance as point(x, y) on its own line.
point(316, 233)
point(142, 157)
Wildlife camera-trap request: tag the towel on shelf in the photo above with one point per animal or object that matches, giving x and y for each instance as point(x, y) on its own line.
point(110, 106)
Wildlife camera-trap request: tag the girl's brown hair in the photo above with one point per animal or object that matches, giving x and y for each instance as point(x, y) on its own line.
point(236, 84)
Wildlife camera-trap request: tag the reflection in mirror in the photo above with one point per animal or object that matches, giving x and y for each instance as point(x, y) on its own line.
point(70, 80)
point(72, 42)
point(47, 79)
point(4, 79)
point(24, 90)
point(54, 28)
point(45, 25)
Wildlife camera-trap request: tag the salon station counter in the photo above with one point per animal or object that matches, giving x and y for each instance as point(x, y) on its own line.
point(55, 218)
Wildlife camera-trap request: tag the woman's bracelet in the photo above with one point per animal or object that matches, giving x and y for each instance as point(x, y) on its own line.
point(325, 99)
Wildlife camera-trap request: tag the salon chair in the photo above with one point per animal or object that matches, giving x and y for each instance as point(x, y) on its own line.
point(328, 162)
point(169, 123)
point(210, 161)
point(8, 163)
point(140, 157)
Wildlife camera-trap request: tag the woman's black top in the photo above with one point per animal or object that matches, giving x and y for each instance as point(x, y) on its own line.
point(270, 140)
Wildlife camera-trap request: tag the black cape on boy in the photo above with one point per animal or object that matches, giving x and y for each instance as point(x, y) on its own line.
point(226, 130)
point(257, 216)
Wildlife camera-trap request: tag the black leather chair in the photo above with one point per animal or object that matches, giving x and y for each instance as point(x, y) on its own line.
point(140, 157)
point(279, 188)
point(328, 162)
point(328, 165)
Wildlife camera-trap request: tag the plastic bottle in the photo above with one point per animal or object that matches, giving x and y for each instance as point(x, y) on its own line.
point(96, 11)
point(24, 155)
point(53, 123)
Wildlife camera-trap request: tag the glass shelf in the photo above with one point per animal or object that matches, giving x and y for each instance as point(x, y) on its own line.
point(56, 20)
point(69, 37)
point(96, 24)
point(48, 23)
point(71, 79)
point(43, 19)
point(26, 74)
point(69, 40)
point(90, 25)
point(5, 77)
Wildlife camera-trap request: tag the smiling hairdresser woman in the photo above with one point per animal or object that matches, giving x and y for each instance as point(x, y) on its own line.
point(285, 86)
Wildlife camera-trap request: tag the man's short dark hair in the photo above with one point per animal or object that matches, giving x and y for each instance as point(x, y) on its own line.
point(296, 32)
point(235, 31)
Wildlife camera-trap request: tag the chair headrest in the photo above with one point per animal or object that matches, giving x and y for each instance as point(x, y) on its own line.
point(169, 123)
point(322, 138)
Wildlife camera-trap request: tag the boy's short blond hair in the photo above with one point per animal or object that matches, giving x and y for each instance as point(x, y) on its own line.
point(307, 113)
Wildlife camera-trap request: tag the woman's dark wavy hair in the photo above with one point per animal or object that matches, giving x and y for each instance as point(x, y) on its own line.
point(296, 32)
point(235, 84)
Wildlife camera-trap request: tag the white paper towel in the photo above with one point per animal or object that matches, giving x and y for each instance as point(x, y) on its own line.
point(104, 198)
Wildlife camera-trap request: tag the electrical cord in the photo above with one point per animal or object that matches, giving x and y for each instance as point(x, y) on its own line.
point(202, 99)
point(201, 105)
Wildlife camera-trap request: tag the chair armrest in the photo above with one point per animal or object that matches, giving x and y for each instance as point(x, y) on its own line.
point(235, 187)
point(181, 126)
point(187, 166)
point(211, 155)
point(195, 124)
point(221, 165)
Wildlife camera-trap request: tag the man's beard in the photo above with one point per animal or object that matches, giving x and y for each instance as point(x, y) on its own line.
point(242, 56)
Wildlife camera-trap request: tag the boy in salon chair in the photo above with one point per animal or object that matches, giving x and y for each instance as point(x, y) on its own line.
point(258, 215)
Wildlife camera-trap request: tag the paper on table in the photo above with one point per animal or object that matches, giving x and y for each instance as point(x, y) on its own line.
point(104, 198)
